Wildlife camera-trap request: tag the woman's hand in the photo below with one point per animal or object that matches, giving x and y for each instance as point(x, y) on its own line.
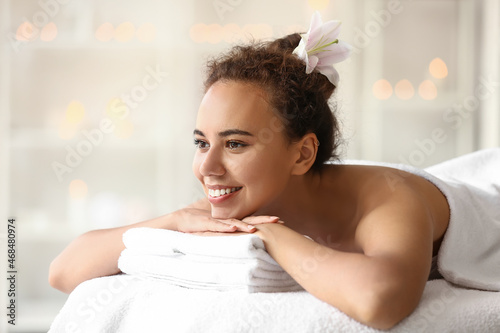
point(96, 252)
point(195, 220)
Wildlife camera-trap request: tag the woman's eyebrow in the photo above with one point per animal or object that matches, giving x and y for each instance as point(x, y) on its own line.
point(225, 133)
point(198, 132)
point(233, 132)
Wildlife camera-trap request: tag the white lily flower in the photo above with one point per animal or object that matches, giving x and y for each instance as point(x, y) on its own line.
point(320, 48)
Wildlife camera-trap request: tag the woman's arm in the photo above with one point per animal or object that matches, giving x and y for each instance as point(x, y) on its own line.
point(93, 254)
point(96, 252)
point(378, 287)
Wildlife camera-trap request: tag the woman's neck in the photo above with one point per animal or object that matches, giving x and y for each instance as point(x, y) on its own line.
point(314, 203)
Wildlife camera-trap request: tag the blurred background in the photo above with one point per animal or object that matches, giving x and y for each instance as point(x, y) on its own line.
point(98, 101)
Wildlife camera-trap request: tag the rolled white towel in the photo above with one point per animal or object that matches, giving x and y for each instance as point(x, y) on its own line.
point(168, 242)
point(213, 263)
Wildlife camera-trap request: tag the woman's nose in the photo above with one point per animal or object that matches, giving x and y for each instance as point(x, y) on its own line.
point(212, 164)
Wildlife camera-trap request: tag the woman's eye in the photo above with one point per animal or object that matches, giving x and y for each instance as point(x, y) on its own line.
point(235, 145)
point(200, 144)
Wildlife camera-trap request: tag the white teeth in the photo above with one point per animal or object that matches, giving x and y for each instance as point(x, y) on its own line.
point(223, 191)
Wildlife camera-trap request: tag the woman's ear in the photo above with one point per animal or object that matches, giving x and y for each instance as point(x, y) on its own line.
point(307, 148)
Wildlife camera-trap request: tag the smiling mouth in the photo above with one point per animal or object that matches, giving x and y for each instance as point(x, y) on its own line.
point(223, 191)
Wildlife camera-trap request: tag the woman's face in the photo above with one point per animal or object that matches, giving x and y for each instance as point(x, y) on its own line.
point(243, 159)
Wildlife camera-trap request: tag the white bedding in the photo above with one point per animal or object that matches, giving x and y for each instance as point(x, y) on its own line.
point(469, 258)
point(129, 304)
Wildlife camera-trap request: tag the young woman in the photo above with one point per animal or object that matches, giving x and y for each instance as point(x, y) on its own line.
point(264, 133)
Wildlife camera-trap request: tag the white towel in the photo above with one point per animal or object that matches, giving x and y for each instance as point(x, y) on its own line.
point(124, 303)
point(470, 252)
point(211, 263)
point(168, 242)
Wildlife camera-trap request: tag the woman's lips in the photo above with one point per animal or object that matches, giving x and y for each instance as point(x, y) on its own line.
point(216, 196)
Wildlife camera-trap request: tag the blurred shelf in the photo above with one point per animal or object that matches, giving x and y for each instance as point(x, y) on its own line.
point(47, 139)
point(92, 46)
point(160, 43)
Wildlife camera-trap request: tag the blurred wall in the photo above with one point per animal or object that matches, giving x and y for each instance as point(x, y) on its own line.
point(98, 101)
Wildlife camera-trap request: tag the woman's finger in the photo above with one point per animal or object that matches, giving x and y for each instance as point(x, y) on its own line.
point(240, 225)
point(260, 219)
point(220, 226)
point(215, 233)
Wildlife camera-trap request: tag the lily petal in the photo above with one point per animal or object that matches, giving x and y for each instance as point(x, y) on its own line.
point(336, 53)
point(311, 63)
point(315, 32)
point(331, 73)
point(300, 50)
point(331, 29)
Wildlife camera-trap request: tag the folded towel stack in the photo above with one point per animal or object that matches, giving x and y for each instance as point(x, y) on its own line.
point(211, 263)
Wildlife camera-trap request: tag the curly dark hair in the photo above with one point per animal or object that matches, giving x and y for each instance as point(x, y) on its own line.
point(299, 99)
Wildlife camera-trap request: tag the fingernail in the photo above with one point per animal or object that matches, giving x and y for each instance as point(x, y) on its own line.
point(273, 217)
point(251, 227)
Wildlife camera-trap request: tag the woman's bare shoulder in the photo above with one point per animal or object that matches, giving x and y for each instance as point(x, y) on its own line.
point(396, 193)
point(367, 179)
point(403, 197)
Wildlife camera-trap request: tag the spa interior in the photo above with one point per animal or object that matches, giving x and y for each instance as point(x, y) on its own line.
point(98, 102)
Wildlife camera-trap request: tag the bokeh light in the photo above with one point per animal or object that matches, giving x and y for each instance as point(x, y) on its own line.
point(231, 33)
point(78, 189)
point(197, 33)
point(427, 90)
point(26, 32)
point(49, 32)
point(116, 109)
point(124, 32)
point(75, 112)
point(318, 4)
point(213, 33)
point(382, 89)
point(105, 32)
point(404, 89)
point(438, 68)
